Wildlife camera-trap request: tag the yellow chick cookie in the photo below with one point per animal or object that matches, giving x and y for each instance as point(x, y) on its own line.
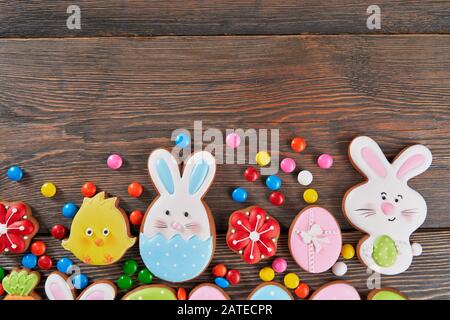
point(100, 232)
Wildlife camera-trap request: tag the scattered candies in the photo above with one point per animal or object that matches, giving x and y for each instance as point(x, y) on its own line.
point(124, 282)
point(38, 248)
point(69, 210)
point(58, 231)
point(64, 265)
point(114, 161)
point(291, 280)
point(302, 291)
point(136, 217)
point(2, 273)
point(298, 144)
point(279, 265)
point(262, 158)
point(348, 251)
point(273, 182)
point(130, 267)
point(29, 261)
point(89, 189)
point(183, 140)
point(325, 161)
point(145, 276)
point(239, 195)
point(181, 294)
point(80, 281)
point(233, 277)
point(305, 178)
point(339, 269)
point(48, 190)
point(267, 274)
point(233, 140)
point(222, 282)
point(135, 189)
point(15, 173)
point(219, 270)
point(276, 198)
point(310, 196)
point(287, 165)
point(45, 262)
point(251, 174)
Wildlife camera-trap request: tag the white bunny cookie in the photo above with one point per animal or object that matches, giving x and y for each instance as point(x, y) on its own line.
point(177, 237)
point(385, 207)
point(58, 287)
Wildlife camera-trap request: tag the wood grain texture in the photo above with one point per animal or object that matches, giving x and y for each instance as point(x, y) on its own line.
point(229, 17)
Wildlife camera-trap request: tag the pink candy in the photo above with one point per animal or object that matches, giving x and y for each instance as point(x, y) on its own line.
point(287, 165)
point(233, 140)
point(279, 265)
point(114, 162)
point(325, 161)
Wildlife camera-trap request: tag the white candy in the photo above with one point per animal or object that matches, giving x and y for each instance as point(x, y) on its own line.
point(305, 178)
point(416, 249)
point(339, 269)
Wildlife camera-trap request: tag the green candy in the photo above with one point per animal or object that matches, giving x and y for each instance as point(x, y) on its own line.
point(2, 274)
point(152, 293)
point(124, 282)
point(130, 267)
point(384, 251)
point(387, 295)
point(145, 276)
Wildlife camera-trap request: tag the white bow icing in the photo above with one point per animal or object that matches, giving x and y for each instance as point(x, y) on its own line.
point(314, 235)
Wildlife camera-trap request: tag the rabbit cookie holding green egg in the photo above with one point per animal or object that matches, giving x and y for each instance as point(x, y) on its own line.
point(178, 234)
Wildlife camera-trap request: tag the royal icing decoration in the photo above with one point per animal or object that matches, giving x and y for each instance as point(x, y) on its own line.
point(386, 294)
point(17, 227)
point(178, 236)
point(315, 239)
point(208, 291)
point(337, 290)
point(253, 234)
point(151, 292)
point(385, 207)
point(59, 287)
point(270, 291)
point(20, 285)
point(100, 231)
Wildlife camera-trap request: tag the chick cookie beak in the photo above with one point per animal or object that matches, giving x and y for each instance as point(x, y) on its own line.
point(98, 242)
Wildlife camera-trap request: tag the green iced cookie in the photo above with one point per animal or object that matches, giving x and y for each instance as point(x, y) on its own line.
point(151, 293)
point(384, 251)
point(387, 295)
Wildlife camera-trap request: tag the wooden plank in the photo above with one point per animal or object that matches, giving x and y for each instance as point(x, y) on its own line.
point(196, 17)
point(421, 281)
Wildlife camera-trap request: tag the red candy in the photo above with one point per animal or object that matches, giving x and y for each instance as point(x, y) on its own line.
point(45, 262)
point(58, 231)
point(219, 270)
point(181, 294)
point(38, 248)
point(298, 144)
point(2, 291)
point(302, 291)
point(276, 198)
point(233, 276)
point(136, 217)
point(135, 189)
point(251, 174)
point(89, 189)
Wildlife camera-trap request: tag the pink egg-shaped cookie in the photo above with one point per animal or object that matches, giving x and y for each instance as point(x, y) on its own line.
point(336, 290)
point(207, 291)
point(315, 239)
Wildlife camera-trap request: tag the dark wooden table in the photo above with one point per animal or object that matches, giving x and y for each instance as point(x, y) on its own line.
point(137, 71)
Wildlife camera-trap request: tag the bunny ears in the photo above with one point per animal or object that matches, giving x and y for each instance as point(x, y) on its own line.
point(57, 288)
point(198, 173)
point(368, 158)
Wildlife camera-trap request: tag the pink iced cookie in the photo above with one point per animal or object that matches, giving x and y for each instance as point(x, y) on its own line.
point(337, 290)
point(208, 291)
point(315, 239)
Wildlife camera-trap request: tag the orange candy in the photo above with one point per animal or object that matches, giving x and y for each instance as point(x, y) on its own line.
point(302, 291)
point(136, 217)
point(89, 189)
point(135, 189)
point(219, 270)
point(298, 144)
point(38, 248)
point(181, 294)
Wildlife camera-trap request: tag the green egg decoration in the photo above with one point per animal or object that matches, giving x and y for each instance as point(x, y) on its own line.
point(384, 251)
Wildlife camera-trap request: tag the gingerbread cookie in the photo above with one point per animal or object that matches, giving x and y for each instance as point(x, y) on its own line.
point(178, 235)
point(20, 285)
point(59, 287)
point(386, 294)
point(315, 239)
point(384, 207)
point(151, 292)
point(100, 231)
point(253, 234)
point(17, 227)
point(336, 290)
point(208, 291)
point(270, 291)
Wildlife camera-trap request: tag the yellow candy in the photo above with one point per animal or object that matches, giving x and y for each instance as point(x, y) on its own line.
point(263, 158)
point(310, 196)
point(267, 274)
point(348, 251)
point(48, 190)
point(291, 281)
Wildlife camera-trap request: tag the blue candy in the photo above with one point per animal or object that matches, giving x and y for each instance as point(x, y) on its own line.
point(80, 281)
point(69, 210)
point(64, 265)
point(15, 173)
point(273, 182)
point(239, 195)
point(222, 282)
point(29, 261)
point(182, 140)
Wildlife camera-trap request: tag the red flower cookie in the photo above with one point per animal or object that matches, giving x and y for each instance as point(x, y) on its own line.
point(17, 227)
point(253, 234)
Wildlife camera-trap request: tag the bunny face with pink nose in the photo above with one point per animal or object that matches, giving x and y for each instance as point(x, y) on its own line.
point(385, 207)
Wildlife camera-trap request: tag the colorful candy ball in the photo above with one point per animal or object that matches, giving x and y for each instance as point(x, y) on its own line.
point(273, 182)
point(302, 291)
point(291, 281)
point(348, 251)
point(15, 173)
point(298, 144)
point(305, 178)
point(58, 231)
point(276, 198)
point(69, 210)
point(181, 294)
point(114, 162)
point(183, 140)
point(288, 165)
point(29, 261)
point(80, 281)
point(233, 276)
point(2, 291)
point(339, 269)
point(64, 265)
point(2, 274)
point(48, 190)
point(38, 248)
point(145, 276)
point(325, 161)
point(251, 174)
point(219, 270)
point(124, 282)
point(262, 158)
point(267, 274)
point(89, 189)
point(310, 196)
point(233, 140)
point(45, 262)
point(222, 282)
point(136, 217)
point(239, 195)
point(135, 189)
point(130, 267)
point(279, 265)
